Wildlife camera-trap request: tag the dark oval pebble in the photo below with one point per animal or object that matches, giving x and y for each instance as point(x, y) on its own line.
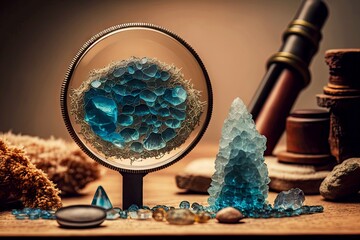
point(80, 216)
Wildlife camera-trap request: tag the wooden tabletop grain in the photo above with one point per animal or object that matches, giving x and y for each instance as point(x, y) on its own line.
point(160, 188)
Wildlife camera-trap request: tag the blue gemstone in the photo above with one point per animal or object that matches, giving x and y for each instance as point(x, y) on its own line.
point(172, 123)
point(148, 96)
point(142, 110)
point(121, 90)
point(165, 76)
point(133, 208)
point(125, 120)
point(154, 142)
point(119, 72)
point(164, 112)
point(137, 147)
point(101, 199)
point(137, 84)
point(135, 92)
point(128, 109)
point(143, 130)
point(96, 84)
point(112, 214)
point(138, 75)
point(151, 70)
point(130, 69)
point(291, 199)
point(123, 214)
point(168, 134)
point(184, 205)
point(175, 96)
point(138, 65)
point(143, 60)
point(158, 75)
point(177, 114)
point(129, 134)
point(157, 124)
point(101, 115)
point(159, 91)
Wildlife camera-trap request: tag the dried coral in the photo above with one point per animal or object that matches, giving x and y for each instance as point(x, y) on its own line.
point(20, 179)
point(63, 162)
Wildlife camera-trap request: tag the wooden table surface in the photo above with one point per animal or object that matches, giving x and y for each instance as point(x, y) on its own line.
point(160, 188)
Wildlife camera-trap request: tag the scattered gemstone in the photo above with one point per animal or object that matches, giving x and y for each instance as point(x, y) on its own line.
point(229, 215)
point(101, 199)
point(159, 214)
point(202, 217)
point(133, 208)
point(144, 214)
point(112, 214)
point(184, 204)
point(291, 199)
point(96, 84)
point(180, 217)
point(33, 214)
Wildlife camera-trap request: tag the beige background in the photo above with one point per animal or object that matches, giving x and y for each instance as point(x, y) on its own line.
point(234, 39)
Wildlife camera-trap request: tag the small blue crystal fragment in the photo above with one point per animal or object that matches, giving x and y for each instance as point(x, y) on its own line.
point(96, 84)
point(136, 84)
point(142, 110)
point(130, 69)
point(151, 70)
point(21, 216)
point(123, 214)
point(143, 130)
point(112, 214)
point(133, 208)
point(121, 90)
point(164, 112)
point(119, 72)
point(148, 96)
point(138, 65)
point(129, 134)
point(101, 199)
point(143, 60)
point(165, 76)
point(137, 147)
point(154, 142)
point(127, 109)
point(177, 114)
point(168, 134)
point(175, 96)
point(159, 91)
point(125, 120)
point(172, 123)
point(291, 199)
point(184, 204)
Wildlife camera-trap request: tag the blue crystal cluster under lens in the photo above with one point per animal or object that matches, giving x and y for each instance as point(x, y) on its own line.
point(134, 106)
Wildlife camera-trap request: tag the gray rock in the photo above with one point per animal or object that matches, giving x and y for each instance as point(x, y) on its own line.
point(343, 182)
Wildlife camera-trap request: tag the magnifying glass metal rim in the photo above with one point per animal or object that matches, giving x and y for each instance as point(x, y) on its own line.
point(77, 59)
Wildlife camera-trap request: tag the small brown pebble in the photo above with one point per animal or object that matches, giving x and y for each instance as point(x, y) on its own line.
point(229, 215)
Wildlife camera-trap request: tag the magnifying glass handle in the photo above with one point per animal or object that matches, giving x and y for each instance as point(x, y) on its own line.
point(132, 189)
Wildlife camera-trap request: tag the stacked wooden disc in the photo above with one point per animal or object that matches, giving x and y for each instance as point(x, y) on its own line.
point(307, 159)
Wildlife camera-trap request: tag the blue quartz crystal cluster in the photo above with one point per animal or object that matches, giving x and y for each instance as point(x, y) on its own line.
point(138, 108)
point(241, 176)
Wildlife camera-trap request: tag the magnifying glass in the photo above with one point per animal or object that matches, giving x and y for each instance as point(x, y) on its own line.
point(136, 98)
